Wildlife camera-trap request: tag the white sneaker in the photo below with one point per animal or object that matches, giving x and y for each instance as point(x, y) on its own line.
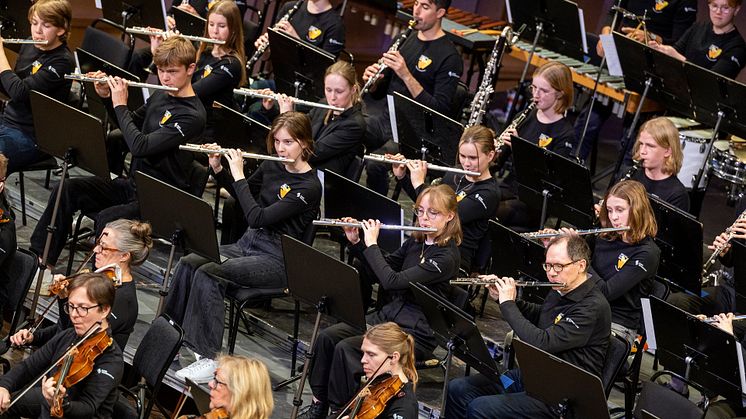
point(200, 371)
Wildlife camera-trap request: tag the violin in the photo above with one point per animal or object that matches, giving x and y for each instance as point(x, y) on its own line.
point(219, 413)
point(372, 400)
point(77, 365)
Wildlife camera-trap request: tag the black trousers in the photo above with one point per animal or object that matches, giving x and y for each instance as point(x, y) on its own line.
point(111, 199)
point(30, 406)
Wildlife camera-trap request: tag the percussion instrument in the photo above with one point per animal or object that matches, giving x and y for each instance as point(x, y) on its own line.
point(728, 164)
point(694, 147)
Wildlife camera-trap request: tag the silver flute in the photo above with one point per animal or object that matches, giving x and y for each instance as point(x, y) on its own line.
point(714, 320)
point(337, 223)
point(80, 77)
point(138, 30)
point(25, 41)
point(199, 148)
point(274, 96)
point(394, 47)
point(383, 159)
point(539, 235)
point(485, 281)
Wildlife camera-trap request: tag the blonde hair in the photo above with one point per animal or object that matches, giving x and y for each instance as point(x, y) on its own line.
point(234, 44)
point(443, 199)
point(390, 338)
point(134, 238)
point(559, 78)
point(666, 135)
point(57, 12)
point(248, 382)
point(641, 219)
point(347, 72)
point(175, 51)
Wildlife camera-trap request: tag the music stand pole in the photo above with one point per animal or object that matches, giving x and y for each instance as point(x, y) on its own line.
point(297, 399)
point(452, 344)
point(630, 133)
point(67, 161)
point(163, 292)
point(511, 112)
point(701, 172)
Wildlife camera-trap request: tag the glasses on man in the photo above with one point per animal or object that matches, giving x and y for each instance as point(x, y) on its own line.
point(431, 213)
point(558, 267)
point(79, 310)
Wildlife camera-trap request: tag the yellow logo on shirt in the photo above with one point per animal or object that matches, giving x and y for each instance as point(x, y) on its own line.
point(714, 52)
point(211, 3)
point(206, 72)
point(558, 318)
point(461, 195)
point(660, 5)
point(545, 140)
point(284, 189)
point(621, 260)
point(35, 66)
point(313, 32)
point(166, 116)
point(423, 62)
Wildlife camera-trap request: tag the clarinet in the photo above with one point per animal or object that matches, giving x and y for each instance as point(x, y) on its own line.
point(260, 51)
point(517, 122)
point(718, 250)
point(632, 170)
point(481, 97)
point(394, 47)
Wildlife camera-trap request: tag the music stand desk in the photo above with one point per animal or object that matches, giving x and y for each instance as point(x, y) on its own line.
point(299, 67)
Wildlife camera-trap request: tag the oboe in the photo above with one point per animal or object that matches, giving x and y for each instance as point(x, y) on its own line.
point(199, 148)
point(337, 223)
point(80, 77)
point(718, 250)
point(394, 47)
point(485, 281)
point(137, 30)
point(254, 93)
point(539, 235)
point(260, 51)
point(515, 124)
point(383, 159)
point(25, 41)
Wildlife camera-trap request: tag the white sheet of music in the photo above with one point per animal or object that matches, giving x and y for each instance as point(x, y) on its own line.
point(612, 57)
point(647, 315)
point(739, 352)
point(392, 118)
point(507, 9)
point(582, 30)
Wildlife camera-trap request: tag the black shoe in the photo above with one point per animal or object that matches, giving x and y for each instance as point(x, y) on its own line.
point(317, 410)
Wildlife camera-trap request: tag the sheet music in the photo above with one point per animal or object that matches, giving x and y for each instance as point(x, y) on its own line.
point(739, 354)
point(510, 14)
point(612, 57)
point(392, 118)
point(647, 316)
point(582, 30)
point(320, 174)
point(98, 4)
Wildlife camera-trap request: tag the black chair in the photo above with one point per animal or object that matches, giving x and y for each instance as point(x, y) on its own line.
point(48, 165)
point(355, 169)
point(665, 403)
point(154, 355)
point(616, 356)
point(19, 275)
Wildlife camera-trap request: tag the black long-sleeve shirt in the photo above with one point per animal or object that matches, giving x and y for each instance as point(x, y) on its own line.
point(8, 243)
point(575, 327)
point(670, 189)
point(214, 80)
point(669, 19)
point(337, 141)
point(724, 54)
point(275, 199)
point(436, 65)
point(323, 30)
point(477, 203)
point(42, 71)
point(625, 274)
point(154, 132)
point(93, 397)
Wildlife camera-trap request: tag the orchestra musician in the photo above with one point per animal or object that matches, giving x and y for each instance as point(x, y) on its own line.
point(573, 324)
point(240, 388)
point(428, 258)
point(38, 67)
point(278, 198)
point(477, 196)
point(427, 67)
point(546, 126)
point(153, 134)
point(8, 239)
point(90, 301)
point(123, 243)
point(388, 355)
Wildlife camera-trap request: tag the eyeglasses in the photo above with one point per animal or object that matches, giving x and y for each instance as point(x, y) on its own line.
point(724, 8)
point(103, 248)
point(431, 213)
point(79, 310)
point(558, 267)
point(218, 382)
point(537, 89)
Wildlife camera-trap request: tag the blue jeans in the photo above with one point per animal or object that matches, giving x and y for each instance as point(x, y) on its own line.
point(19, 148)
point(476, 396)
point(195, 297)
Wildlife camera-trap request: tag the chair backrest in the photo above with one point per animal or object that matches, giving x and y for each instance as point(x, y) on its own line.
point(157, 350)
point(20, 272)
point(355, 169)
point(483, 254)
point(105, 46)
point(660, 289)
point(616, 356)
point(459, 99)
point(198, 179)
point(665, 403)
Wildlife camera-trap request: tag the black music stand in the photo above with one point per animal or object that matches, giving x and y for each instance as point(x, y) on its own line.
point(187, 23)
point(518, 257)
point(14, 21)
point(581, 394)
point(457, 332)
point(333, 287)
point(128, 13)
point(739, 273)
point(345, 198)
point(552, 183)
point(80, 144)
point(298, 66)
point(240, 131)
point(680, 239)
point(179, 217)
point(424, 133)
point(698, 351)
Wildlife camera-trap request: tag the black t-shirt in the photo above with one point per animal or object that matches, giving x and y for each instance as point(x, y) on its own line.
point(436, 65)
point(42, 71)
point(724, 54)
point(625, 273)
point(670, 189)
point(323, 30)
point(214, 80)
point(403, 405)
point(667, 18)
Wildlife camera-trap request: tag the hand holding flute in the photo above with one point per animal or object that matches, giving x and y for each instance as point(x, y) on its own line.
point(235, 161)
point(114, 87)
point(502, 290)
point(417, 169)
point(371, 229)
point(723, 321)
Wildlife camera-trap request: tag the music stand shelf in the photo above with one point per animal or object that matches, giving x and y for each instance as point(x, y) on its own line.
point(298, 67)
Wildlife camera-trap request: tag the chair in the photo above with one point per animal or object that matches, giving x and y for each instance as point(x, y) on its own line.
point(20, 272)
point(459, 99)
point(48, 165)
point(150, 364)
point(616, 356)
point(665, 403)
point(106, 47)
point(355, 169)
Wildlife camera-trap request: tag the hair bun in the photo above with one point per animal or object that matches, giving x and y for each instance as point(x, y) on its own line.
point(143, 230)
